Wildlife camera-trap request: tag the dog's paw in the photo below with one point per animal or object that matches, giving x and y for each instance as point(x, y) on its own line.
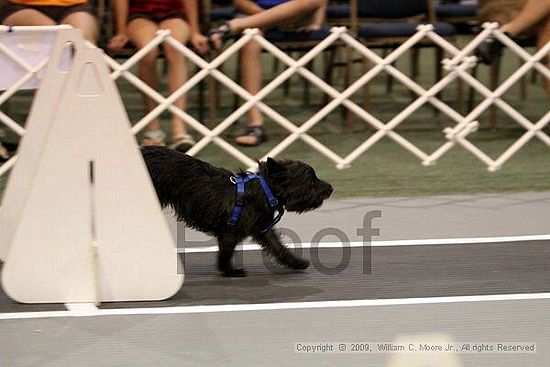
point(234, 273)
point(299, 264)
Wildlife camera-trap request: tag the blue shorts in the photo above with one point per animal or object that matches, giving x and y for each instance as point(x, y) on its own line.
point(266, 4)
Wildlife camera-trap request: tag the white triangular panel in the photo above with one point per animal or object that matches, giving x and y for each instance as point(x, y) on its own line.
point(50, 257)
point(32, 144)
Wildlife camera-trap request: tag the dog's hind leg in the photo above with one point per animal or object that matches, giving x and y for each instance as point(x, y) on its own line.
point(271, 244)
point(226, 249)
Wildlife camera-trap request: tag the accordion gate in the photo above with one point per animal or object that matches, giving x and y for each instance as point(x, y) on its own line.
point(457, 67)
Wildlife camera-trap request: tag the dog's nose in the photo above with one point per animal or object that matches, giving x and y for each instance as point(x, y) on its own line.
point(330, 190)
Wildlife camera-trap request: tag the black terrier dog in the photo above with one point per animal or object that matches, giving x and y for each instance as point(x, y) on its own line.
point(232, 206)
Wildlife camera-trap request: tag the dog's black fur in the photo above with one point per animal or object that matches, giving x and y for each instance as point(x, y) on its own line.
point(203, 196)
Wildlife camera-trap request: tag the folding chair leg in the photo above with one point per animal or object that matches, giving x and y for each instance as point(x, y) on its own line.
point(534, 76)
point(238, 78)
point(522, 83)
point(471, 91)
point(307, 90)
point(415, 54)
point(286, 84)
point(389, 79)
point(438, 74)
point(460, 96)
point(366, 88)
point(347, 82)
point(495, 76)
point(217, 90)
point(200, 101)
point(329, 60)
point(213, 101)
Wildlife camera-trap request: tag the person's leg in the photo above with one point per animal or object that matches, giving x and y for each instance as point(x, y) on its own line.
point(84, 21)
point(177, 68)
point(28, 17)
point(140, 32)
point(530, 15)
point(319, 16)
point(285, 12)
point(177, 72)
point(251, 80)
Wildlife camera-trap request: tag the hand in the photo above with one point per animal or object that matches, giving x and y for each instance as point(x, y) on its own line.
point(117, 42)
point(200, 42)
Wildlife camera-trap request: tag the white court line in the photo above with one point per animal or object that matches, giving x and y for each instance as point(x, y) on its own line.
point(82, 309)
point(275, 306)
point(89, 310)
point(421, 242)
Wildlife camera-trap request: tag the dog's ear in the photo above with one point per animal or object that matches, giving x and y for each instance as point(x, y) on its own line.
point(274, 167)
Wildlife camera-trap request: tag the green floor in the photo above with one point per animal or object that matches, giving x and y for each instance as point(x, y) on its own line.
point(387, 169)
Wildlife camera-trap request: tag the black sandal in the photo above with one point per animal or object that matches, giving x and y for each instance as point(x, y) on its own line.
point(489, 50)
point(257, 132)
point(223, 30)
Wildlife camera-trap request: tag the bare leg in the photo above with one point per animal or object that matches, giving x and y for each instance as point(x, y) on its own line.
point(86, 22)
point(177, 68)
point(319, 16)
point(28, 17)
point(283, 13)
point(532, 14)
point(251, 71)
point(141, 31)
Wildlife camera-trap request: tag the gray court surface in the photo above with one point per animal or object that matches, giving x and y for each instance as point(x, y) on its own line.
point(437, 294)
point(452, 216)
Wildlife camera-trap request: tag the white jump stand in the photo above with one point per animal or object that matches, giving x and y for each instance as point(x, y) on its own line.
point(80, 220)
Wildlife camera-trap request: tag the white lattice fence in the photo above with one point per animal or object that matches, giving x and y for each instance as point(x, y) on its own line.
point(458, 66)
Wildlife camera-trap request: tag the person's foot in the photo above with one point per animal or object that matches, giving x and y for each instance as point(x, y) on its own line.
point(218, 34)
point(489, 50)
point(152, 138)
point(181, 142)
point(254, 135)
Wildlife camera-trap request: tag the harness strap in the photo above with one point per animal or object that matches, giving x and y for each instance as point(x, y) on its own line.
point(240, 181)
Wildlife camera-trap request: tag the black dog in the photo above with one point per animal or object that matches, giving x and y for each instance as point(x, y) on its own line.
point(205, 198)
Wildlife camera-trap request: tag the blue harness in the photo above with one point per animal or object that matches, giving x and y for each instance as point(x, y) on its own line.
point(240, 181)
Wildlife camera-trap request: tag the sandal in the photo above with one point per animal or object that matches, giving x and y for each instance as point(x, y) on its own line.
point(222, 31)
point(152, 138)
point(257, 132)
point(489, 50)
point(182, 142)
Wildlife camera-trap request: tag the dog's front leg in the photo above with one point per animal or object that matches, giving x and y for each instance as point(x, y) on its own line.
point(226, 247)
point(271, 243)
